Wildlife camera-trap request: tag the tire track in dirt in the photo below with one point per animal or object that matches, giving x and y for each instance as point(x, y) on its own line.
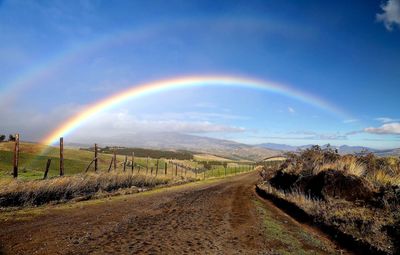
point(207, 218)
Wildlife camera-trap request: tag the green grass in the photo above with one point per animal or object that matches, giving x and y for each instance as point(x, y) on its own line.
point(289, 240)
point(32, 162)
point(32, 166)
point(219, 170)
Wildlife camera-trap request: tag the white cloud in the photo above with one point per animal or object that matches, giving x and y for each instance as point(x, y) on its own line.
point(291, 110)
point(122, 124)
point(34, 126)
point(386, 119)
point(390, 15)
point(385, 129)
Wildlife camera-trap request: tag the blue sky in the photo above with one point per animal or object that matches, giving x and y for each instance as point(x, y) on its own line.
point(56, 57)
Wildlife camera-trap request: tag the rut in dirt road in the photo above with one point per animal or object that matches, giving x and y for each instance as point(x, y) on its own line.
point(220, 217)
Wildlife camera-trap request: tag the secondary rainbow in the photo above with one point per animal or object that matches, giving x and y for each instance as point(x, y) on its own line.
point(178, 83)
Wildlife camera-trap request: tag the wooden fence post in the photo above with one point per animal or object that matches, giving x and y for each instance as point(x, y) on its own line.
point(61, 156)
point(157, 167)
point(165, 168)
point(16, 156)
point(111, 162)
point(115, 160)
point(176, 170)
point(95, 158)
point(91, 162)
point(126, 159)
point(147, 165)
point(133, 162)
point(47, 168)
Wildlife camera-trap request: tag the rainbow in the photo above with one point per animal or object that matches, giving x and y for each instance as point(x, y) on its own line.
point(47, 67)
point(178, 83)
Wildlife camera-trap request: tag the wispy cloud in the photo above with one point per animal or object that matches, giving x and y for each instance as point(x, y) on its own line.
point(391, 14)
point(205, 105)
point(195, 115)
point(385, 129)
point(386, 119)
point(291, 110)
point(350, 121)
point(308, 135)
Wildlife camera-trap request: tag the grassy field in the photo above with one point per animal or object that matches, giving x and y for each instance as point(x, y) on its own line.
point(33, 158)
point(30, 188)
point(209, 157)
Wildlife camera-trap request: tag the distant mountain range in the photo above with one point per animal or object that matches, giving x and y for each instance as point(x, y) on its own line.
point(178, 141)
point(343, 149)
point(218, 147)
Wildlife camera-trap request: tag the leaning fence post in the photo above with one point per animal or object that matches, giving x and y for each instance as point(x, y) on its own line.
point(16, 156)
point(47, 168)
point(95, 158)
point(111, 162)
point(91, 162)
point(61, 156)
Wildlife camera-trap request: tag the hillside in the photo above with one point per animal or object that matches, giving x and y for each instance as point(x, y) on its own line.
point(199, 144)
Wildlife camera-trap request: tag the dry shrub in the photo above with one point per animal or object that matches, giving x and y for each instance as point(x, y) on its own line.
point(37, 192)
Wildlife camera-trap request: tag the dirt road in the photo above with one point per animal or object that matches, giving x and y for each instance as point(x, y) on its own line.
point(213, 217)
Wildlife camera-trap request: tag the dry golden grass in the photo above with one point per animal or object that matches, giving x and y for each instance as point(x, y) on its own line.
point(362, 222)
point(380, 177)
point(36, 192)
point(306, 203)
point(348, 165)
point(374, 219)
